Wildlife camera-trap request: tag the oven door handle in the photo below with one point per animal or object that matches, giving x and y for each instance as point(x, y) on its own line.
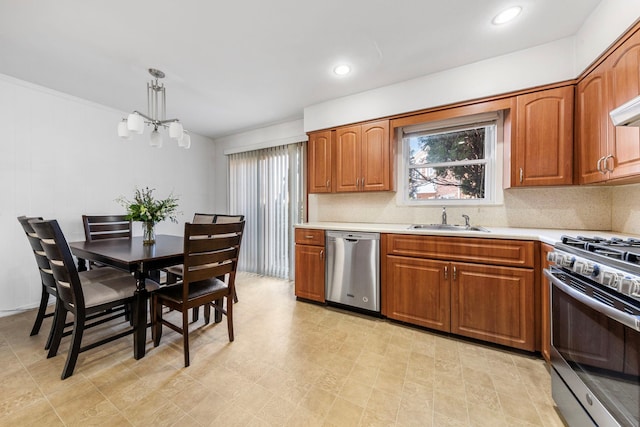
point(629, 320)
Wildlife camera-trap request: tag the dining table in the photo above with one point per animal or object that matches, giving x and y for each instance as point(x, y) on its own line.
point(141, 260)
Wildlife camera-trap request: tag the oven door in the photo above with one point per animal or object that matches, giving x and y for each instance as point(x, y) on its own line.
point(595, 343)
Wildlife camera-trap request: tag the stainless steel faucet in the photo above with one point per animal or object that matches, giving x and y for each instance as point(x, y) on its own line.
point(466, 221)
point(444, 215)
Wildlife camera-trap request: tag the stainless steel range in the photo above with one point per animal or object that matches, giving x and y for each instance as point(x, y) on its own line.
point(595, 330)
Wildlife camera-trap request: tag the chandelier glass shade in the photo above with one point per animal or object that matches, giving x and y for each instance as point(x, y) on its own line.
point(155, 117)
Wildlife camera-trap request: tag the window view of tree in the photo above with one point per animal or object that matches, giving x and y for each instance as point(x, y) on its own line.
point(448, 165)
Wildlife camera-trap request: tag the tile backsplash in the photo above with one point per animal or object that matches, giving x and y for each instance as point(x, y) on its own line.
point(574, 207)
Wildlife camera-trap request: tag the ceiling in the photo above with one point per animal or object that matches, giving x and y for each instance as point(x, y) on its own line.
point(238, 65)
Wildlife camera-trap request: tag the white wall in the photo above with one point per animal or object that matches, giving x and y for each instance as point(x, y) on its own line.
point(61, 157)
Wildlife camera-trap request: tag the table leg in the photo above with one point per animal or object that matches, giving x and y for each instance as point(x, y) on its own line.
point(140, 317)
point(82, 264)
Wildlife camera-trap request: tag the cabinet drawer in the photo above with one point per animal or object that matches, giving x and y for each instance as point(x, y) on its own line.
point(307, 236)
point(513, 253)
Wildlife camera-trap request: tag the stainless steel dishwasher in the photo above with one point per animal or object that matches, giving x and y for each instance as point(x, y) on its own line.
point(353, 269)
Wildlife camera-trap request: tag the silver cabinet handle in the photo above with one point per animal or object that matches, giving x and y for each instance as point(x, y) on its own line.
point(521, 175)
point(606, 163)
point(308, 236)
point(321, 253)
point(629, 320)
point(599, 165)
point(446, 272)
point(455, 272)
point(357, 183)
point(328, 183)
point(362, 182)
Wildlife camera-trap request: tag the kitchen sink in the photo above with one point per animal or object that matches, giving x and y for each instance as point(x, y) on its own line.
point(451, 227)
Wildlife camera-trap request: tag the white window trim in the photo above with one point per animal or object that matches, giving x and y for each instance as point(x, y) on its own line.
point(493, 155)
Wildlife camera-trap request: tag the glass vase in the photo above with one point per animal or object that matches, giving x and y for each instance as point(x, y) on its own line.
point(148, 233)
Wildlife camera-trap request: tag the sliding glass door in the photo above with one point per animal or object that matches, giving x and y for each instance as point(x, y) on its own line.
point(267, 186)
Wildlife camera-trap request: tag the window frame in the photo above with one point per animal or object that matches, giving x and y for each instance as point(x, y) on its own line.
point(493, 158)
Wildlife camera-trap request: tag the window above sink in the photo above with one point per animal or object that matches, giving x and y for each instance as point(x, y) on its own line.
point(451, 162)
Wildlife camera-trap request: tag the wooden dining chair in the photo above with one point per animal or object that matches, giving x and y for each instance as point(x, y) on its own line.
point(99, 227)
point(83, 295)
point(174, 273)
point(210, 252)
point(48, 283)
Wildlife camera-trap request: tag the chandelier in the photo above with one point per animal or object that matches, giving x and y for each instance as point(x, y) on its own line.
point(156, 117)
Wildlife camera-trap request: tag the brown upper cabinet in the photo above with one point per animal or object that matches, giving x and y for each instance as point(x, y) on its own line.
point(542, 152)
point(319, 163)
point(363, 157)
point(351, 158)
point(606, 152)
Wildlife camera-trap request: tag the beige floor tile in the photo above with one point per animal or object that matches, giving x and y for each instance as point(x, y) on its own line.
point(384, 404)
point(356, 392)
point(520, 410)
point(276, 411)
point(302, 417)
point(344, 413)
point(449, 406)
point(39, 414)
point(318, 401)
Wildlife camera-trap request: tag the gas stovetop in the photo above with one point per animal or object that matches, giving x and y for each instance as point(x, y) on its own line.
point(613, 262)
point(615, 251)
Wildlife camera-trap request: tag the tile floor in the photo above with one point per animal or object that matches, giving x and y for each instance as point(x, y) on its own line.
point(292, 364)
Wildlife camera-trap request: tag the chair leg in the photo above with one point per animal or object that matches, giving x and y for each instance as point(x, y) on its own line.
point(207, 313)
point(156, 323)
point(217, 314)
point(185, 336)
point(196, 314)
point(60, 318)
point(42, 310)
point(230, 318)
point(74, 346)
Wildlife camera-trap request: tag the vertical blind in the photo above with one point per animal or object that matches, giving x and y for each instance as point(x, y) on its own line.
point(267, 187)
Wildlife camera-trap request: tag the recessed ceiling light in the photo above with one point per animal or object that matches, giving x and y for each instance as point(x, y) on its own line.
point(341, 70)
point(507, 15)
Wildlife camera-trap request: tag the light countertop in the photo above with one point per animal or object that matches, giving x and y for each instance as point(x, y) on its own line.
point(549, 236)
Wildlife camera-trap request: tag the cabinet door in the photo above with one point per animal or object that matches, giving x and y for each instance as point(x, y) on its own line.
point(545, 315)
point(418, 292)
point(543, 148)
point(319, 162)
point(591, 132)
point(624, 78)
point(493, 304)
point(375, 156)
point(310, 272)
point(348, 169)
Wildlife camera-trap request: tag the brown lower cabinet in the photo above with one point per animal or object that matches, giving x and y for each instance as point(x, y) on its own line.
point(418, 292)
point(310, 257)
point(492, 303)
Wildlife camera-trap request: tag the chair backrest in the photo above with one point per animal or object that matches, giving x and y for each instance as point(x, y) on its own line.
point(225, 219)
point(202, 218)
point(211, 250)
point(41, 258)
point(61, 261)
point(97, 227)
